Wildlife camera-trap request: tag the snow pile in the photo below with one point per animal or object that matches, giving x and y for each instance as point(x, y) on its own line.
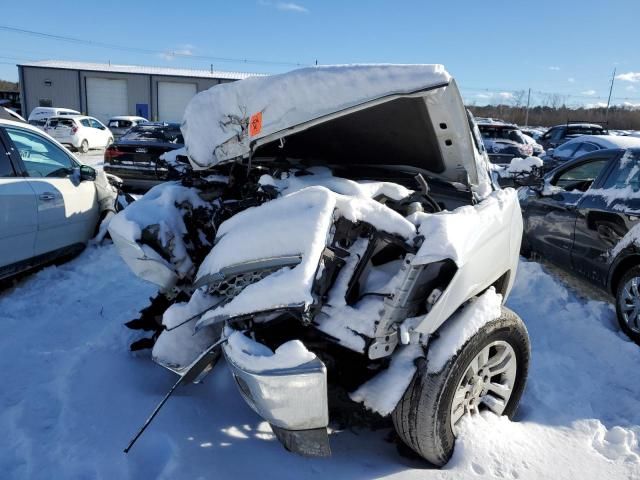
point(460, 328)
point(323, 176)
point(216, 121)
point(447, 233)
point(172, 155)
point(160, 206)
point(295, 224)
point(255, 357)
point(493, 447)
point(73, 391)
point(382, 393)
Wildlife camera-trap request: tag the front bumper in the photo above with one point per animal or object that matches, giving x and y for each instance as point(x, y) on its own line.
point(292, 400)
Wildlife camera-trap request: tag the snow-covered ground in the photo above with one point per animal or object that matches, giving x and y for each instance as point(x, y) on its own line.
point(73, 395)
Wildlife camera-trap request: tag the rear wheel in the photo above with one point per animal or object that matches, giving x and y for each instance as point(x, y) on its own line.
point(488, 373)
point(84, 146)
point(628, 303)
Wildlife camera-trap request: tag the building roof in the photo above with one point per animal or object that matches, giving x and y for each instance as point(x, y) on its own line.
point(140, 69)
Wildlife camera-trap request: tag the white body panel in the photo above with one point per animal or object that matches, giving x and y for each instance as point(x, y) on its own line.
point(487, 249)
point(67, 212)
point(18, 220)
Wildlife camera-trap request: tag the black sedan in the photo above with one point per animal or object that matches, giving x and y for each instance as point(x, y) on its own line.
point(586, 220)
point(134, 157)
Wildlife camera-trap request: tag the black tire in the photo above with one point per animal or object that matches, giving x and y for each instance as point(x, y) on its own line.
point(624, 326)
point(84, 147)
point(525, 248)
point(422, 418)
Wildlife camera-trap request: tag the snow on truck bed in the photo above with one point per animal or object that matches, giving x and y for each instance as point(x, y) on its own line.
point(215, 116)
point(73, 395)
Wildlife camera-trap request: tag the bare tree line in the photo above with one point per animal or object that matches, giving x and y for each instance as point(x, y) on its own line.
point(552, 110)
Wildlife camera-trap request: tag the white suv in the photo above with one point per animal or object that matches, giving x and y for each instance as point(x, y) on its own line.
point(79, 132)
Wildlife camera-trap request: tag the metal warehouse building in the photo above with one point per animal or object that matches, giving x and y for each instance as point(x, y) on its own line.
point(106, 90)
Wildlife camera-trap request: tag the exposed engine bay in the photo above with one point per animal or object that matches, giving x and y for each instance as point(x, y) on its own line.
point(357, 282)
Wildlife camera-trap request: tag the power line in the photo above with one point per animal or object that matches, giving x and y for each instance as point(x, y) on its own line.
point(93, 43)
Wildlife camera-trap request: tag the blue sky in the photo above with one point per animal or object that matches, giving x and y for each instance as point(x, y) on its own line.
point(493, 48)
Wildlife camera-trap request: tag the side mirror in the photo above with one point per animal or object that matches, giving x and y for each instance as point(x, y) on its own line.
point(87, 173)
point(550, 152)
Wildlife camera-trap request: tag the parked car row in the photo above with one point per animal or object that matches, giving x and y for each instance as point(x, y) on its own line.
point(81, 132)
point(560, 134)
point(583, 144)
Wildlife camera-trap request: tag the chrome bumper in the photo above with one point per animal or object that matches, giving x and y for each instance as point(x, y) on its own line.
point(292, 400)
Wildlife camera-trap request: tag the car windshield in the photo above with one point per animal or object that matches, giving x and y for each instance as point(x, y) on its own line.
point(60, 122)
point(585, 131)
point(154, 133)
point(627, 174)
point(501, 133)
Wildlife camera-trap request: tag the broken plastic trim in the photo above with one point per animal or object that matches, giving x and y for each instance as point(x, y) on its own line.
point(192, 374)
point(310, 443)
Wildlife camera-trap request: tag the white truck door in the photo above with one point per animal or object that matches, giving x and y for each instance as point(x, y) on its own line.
point(18, 213)
point(67, 208)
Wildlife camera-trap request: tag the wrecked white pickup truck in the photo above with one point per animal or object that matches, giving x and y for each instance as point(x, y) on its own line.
point(336, 223)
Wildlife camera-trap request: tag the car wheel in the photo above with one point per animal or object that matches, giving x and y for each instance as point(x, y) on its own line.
point(525, 248)
point(488, 373)
point(84, 146)
point(628, 304)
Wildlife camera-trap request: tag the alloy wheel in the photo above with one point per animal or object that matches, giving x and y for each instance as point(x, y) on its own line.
point(487, 382)
point(629, 302)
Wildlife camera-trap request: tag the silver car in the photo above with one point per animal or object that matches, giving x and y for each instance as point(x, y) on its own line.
point(50, 203)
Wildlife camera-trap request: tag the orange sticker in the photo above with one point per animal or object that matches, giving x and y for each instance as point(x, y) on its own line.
point(255, 124)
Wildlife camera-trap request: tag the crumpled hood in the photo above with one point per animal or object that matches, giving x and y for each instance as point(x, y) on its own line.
point(341, 115)
point(216, 125)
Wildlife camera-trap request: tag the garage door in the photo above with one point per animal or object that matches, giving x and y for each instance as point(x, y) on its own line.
point(172, 100)
point(106, 98)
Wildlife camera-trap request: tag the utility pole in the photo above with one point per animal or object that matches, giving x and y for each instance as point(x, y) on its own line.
point(526, 118)
point(613, 79)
